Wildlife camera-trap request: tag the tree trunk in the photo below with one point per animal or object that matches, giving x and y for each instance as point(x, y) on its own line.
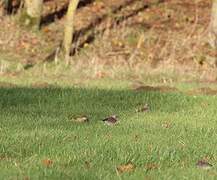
point(69, 29)
point(6, 7)
point(30, 17)
point(213, 25)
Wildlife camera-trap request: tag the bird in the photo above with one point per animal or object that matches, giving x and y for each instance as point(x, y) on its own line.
point(143, 108)
point(111, 120)
point(80, 119)
point(204, 165)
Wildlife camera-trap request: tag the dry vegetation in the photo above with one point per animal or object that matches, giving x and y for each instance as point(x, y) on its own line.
point(133, 39)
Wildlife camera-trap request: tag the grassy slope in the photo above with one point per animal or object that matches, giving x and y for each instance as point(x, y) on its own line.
point(35, 126)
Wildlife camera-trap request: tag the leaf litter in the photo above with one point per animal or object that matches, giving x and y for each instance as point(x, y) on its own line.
point(129, 167)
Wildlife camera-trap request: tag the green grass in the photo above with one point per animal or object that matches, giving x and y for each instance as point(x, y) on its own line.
point(34, 126)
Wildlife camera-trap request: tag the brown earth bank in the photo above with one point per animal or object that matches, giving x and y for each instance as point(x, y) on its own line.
point(145, 35)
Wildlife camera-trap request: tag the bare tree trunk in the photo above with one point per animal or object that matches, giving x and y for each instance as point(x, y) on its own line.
point(31, 15)
point(69, 29)
point(6, 7)
point(213, 25)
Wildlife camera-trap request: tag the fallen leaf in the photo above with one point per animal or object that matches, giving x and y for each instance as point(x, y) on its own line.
point(86, 44)
point(108, 136)
point(151, 166)
point(46, 30)
point(166, 125)
point(47, 162)
point(125, 168)
point(101, 74)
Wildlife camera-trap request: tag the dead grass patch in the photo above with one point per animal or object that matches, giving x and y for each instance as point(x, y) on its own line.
point(155, 88)
point(203, 91)
point(7, 85)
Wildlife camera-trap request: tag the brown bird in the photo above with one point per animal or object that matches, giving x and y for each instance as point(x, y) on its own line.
point(143, 108)
point(112, 120)
point(80, 119)
point(204, 165)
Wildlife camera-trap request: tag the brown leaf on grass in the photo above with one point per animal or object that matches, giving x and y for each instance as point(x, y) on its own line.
point(205, 104)
point(46, 30)
point(101, 74)
point(151, 166)
point(108, 136)
point(47, 162)
point(125, 168)
point(166, 125)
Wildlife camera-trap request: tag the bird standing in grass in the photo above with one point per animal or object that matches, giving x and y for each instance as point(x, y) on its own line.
point(143, 108)
point(112, 120)
point(79, 119)
point(204, 165)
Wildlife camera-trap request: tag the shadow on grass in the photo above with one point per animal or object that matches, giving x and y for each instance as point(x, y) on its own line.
point(59, 104)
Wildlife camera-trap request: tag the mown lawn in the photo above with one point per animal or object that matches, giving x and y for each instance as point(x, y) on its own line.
point(38, 140)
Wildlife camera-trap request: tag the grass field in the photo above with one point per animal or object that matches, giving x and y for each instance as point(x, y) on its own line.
point(115, 49)
point(39, 141)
